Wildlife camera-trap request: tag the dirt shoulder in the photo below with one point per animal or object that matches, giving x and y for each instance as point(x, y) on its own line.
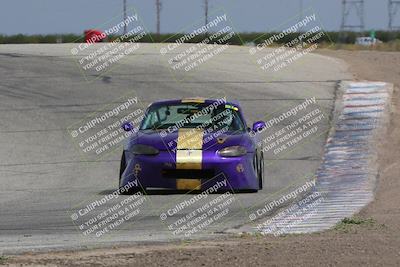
point(373, 241)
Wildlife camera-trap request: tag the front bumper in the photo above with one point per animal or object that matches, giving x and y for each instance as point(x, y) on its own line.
point(161, 171)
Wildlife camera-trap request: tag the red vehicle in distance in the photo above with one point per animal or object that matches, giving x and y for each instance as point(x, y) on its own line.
point(94, 36)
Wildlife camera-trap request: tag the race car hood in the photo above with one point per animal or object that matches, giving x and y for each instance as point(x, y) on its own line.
point(198, 140)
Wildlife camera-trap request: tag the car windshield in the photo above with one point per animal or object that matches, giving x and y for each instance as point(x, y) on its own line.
point(199, 116)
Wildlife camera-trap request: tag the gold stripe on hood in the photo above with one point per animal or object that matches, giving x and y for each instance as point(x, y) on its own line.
point(189, 155)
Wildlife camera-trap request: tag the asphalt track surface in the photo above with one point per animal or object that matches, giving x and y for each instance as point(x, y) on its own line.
point(43, 176)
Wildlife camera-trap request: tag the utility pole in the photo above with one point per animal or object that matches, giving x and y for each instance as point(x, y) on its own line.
point(205, 12)
point(347, 7)
point(301, 10)
point(158, 7)
point(125, 17)
point(393, 7)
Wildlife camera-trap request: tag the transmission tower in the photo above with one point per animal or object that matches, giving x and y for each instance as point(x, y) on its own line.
point(394, 6)
point(347, 9)
point(158, 7)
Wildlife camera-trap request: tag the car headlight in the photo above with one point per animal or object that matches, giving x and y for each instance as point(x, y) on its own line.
point(144, 150)
point(232, 151)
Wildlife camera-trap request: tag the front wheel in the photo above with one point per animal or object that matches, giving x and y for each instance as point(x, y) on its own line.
point(123, 166)
point(261, 171)
point(121, 171)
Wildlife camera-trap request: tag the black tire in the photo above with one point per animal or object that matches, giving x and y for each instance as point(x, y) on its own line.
point(261, 171)
point(121, 171)
point(122, 167)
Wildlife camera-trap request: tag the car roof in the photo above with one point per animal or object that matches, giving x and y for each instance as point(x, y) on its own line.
point(195, 101)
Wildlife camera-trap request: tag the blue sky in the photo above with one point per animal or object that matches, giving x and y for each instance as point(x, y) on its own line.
point(73, 16)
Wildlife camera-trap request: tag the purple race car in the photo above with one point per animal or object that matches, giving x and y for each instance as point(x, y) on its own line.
point(192, 144)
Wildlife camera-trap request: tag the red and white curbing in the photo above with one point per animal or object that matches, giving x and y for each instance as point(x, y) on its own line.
point(347, 176)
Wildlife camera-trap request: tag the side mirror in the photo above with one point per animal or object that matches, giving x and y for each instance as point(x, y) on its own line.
point(258, 126)
point(127, 126)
